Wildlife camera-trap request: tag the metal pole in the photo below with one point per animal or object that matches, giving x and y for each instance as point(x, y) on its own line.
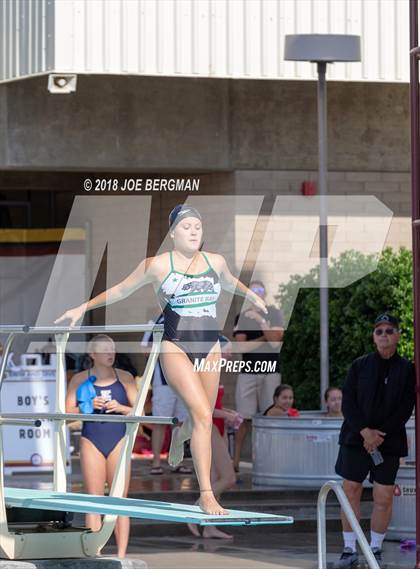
point(323, 229)
point(112, 328)
point(97, 418)
point(60, 475)
point(350, 515)
point(415, 193)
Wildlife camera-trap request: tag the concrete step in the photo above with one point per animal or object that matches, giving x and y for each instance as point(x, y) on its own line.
point(247, 496)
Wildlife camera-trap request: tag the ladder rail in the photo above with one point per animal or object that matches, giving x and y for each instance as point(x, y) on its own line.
point(336, 487)
point(94, 541)
point(12, 545)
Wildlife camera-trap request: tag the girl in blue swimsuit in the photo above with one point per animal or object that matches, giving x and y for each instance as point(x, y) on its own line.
point(188, 283)
point(100, 444)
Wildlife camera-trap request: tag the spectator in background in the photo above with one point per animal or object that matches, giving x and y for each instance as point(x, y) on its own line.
point(333, 397)
point(259, 336)
point(124, 362)
point(282, 403)
point(378, 399)
point(102, 389)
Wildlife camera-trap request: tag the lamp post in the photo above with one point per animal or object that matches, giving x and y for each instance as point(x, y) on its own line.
point(322, 49)
point(415, 207)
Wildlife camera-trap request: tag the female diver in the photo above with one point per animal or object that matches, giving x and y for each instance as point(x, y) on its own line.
point(188, 283)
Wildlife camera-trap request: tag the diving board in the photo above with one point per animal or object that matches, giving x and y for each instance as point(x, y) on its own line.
point(134, 508)
point(83, 542)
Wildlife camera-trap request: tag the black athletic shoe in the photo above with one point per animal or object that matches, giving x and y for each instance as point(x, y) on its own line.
point(378, 556)
point(187, 450)
point(349, 559)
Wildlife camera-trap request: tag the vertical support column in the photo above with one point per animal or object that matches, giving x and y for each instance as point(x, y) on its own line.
point(323, 228)
point(6, 352)
point(415, 196)
point(7, 540)
point(122, 468)
point(322, 529)
point(60, 479)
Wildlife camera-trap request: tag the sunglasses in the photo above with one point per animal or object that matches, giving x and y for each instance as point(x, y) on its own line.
point(258, 289)
point(388, 331)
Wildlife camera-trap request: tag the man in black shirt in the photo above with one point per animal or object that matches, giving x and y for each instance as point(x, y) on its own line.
point(378, 399)
point(260, 336)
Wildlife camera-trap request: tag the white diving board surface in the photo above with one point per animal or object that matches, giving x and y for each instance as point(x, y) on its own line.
point(146, 509)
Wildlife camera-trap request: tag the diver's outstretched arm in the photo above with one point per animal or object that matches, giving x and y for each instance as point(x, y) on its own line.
point(138, 278)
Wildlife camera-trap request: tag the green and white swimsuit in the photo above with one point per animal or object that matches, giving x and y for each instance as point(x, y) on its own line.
point(189, 303)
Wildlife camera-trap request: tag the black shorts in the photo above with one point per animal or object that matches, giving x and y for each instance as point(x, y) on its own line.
point(355, 463)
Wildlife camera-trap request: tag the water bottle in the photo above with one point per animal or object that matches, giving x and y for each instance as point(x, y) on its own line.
point(107, 395)
point(377, 457)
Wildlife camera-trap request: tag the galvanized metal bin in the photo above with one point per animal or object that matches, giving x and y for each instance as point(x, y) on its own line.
point(403, 522)
point(299, 451)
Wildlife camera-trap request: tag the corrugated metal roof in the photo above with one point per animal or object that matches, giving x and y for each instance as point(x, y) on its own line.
point(27, 37)
point(198, 38)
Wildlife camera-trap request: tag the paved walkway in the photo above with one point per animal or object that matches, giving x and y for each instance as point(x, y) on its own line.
point(258, 550)
point(252, 548)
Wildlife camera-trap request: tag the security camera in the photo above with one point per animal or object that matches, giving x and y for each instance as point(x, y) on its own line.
point(62, 83)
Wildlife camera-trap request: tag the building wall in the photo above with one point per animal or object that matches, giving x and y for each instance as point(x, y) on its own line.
point(240, 137)
point(155, 124)
point(392, 189)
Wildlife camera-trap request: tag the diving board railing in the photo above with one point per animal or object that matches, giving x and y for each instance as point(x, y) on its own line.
point(83, 542)
point(351, 518)
point(75, 543)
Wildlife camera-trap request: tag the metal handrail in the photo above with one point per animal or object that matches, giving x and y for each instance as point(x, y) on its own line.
point(19, 422)
point(115, 328)
point(355, 526)
point(87, 543)
point(97, 418)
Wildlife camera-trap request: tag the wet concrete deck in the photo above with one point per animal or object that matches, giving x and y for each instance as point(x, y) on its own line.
point(170, 546)
point(260, 550)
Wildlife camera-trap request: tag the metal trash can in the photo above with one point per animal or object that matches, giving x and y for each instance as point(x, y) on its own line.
point(299, 451)
point(403, 521)
point(295, 451)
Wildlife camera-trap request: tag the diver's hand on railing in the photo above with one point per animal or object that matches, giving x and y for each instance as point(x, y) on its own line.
point(74, 315)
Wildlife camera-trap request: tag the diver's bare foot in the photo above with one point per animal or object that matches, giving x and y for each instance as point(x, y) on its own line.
point(210, 505)
point(213, 533)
